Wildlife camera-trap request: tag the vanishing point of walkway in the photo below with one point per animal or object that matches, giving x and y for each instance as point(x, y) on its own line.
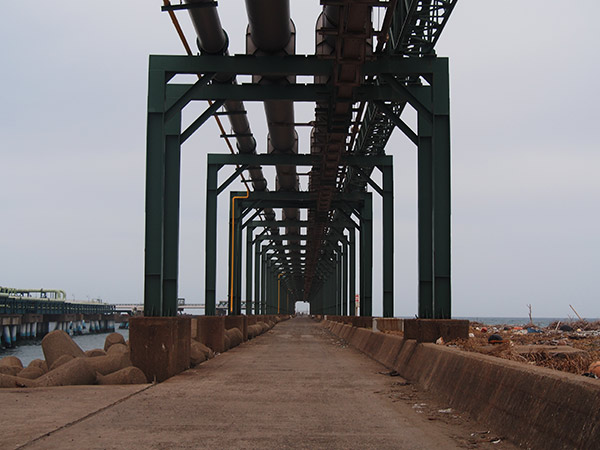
point(294, 387)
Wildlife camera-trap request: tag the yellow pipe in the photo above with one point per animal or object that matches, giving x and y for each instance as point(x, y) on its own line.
point(232, 244)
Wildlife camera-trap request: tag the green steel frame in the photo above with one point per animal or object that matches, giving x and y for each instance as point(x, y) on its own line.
point(420, 82)
point(279, 199)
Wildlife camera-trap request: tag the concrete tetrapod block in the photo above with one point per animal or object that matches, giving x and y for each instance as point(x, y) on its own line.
point(60, 361)
point(128, 375)
point(11, 361)
point(160, 346)
point(211, 332)
point(112, 339)
point(39, 363)
point(235, 337)
point(116, 349)
point(11, 381)
point(430, 330)
point(240, 322)
point(197, 353)
point(109, 363)
point(75, 372)
point(58, 343)
point(31, 372)
point(10, 370)
point(208, 353)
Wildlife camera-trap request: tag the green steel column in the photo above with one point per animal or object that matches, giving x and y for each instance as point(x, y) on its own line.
point(237, 285)
point(441, 190)
point(230, 249)
point(324, 297)
point(334, 287)
point(249, 233)
point(366, 257)
point(340, 281)
point(269, 298)
point(352, 280)
point(233, 283)
point(210, 258)
point(267, 284)
point(337, 284)
point(171, 211)
point(425, 216)
point(257, 267)
point(155, 179)
point(272, 298)
point(263, 282)
point(319, 300)
point(272, 308)
point(345, 279)
point(388, 241)
point(332, 279)
point(328, 298)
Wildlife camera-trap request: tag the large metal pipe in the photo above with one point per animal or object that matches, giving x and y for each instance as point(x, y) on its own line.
point(269, 22)
point(271, 31)
point(212, 39)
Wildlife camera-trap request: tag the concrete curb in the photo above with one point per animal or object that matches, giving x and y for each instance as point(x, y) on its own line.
point(535, 407)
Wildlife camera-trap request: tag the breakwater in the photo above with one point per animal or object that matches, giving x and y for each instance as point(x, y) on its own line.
point(24, 316)
point(30, 349)
point(25, 327)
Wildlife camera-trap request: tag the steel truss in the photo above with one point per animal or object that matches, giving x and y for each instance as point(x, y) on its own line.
point(388, 81)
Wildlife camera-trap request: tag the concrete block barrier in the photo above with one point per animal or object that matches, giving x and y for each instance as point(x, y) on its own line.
point(387, 324)
point(211, 332)
point(534, 407)
point(160, 346)
point(430, 330)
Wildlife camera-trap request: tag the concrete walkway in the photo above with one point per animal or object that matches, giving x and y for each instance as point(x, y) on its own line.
point(294, 387)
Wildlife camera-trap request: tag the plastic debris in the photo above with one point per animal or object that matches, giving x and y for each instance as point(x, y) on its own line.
point(440, 341)
point(533, 330)
point(495, 339)
point(445, 411)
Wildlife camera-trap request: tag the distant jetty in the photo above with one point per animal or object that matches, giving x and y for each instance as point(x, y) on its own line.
point(33, 313)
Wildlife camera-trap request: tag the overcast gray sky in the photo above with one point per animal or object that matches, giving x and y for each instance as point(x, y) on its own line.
point(524, 99)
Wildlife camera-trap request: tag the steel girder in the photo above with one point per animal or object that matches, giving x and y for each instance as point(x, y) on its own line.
point(163, 152)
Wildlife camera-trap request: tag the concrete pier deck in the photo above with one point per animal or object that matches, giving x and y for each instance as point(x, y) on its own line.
point(295, 387)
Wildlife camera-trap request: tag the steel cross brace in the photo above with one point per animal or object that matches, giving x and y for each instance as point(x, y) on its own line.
point(164, 139)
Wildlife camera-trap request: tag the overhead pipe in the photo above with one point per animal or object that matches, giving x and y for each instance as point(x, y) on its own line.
point(349, 49)
point(212, 40)
point(271, 31)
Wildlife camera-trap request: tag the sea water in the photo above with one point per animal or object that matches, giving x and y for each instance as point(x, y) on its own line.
point(28, 350)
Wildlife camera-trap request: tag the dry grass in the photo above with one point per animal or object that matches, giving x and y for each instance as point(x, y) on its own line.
point(576, 363)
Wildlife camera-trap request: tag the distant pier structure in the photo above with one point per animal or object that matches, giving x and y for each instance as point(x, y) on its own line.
point(32, 313)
